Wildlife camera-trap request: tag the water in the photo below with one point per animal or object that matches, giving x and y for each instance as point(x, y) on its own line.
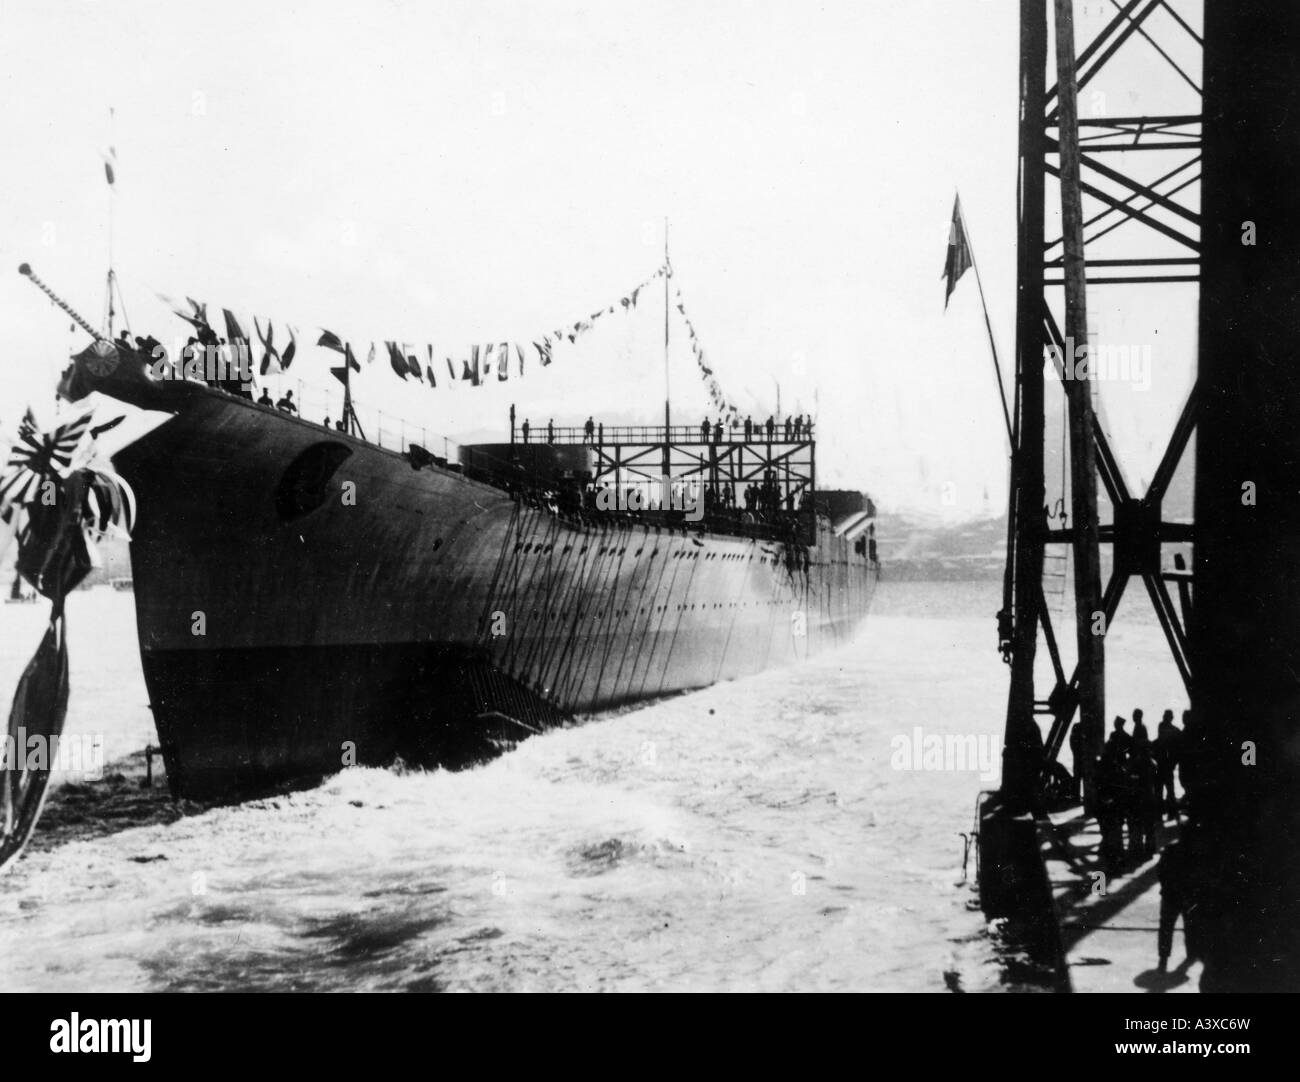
point(751, 836)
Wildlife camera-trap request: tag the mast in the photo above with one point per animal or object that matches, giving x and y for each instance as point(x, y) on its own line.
point(112, 199)
point(668, 423)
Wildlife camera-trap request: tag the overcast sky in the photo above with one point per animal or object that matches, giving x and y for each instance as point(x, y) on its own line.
point(453, 173)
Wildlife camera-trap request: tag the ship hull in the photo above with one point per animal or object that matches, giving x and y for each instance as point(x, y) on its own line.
point(306, 601)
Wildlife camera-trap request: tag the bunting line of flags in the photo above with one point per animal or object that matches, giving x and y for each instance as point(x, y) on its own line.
point(716, 395)
point(477, 364)
point(273, 360)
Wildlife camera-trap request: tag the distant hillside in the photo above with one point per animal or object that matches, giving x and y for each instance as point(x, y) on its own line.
point(912, 548)
point(915, 546)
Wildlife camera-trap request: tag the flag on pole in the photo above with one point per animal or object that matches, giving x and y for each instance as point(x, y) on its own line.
point(959, 257)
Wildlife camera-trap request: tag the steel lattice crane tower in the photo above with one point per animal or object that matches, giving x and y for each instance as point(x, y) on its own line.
point(1202, 190)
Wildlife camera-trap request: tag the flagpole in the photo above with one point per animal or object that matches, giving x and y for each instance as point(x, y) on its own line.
point(112, 198)
point(988, 325)
point(668, 423)
point(667, 395)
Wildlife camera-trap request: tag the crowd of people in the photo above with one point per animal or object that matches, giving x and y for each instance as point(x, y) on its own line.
point(793, 430)
point(1134, 792)
point(1134, 786)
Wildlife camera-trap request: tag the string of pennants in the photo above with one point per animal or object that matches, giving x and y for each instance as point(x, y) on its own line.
point(476, 365)
point(482, 362)
point(714, 388)
point(273, 360)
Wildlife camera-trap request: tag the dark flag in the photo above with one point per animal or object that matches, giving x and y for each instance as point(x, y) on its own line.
point(396, 360)
point(289, 351)
point(198, 318)
point(413, 363)
point(39, 709)
point(959, 258)
point(332, 341)
point(271, 362)
point(234, 332)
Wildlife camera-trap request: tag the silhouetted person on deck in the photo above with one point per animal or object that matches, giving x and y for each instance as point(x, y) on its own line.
point(704, 431)
point(749, 429)
point(524, 429)
point(789, 427)
point(771, 427)
point(717, 431)
point(550, 430)
point(285, 405)
point(589, 430)
point(265, 400)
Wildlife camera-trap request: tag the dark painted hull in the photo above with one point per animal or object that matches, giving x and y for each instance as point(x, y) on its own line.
point(287, 630)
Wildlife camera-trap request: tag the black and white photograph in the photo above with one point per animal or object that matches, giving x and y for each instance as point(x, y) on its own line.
point(656, 497)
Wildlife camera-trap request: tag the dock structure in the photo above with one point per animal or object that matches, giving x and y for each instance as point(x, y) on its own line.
point(769, 474)
point(1193, 184)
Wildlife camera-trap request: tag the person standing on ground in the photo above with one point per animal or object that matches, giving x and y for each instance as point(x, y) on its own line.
point(1118, 735)
point(1138, 725)
point(1110, 804)
point(1177, 898)
point(1144, 811)
point(1076, 757)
